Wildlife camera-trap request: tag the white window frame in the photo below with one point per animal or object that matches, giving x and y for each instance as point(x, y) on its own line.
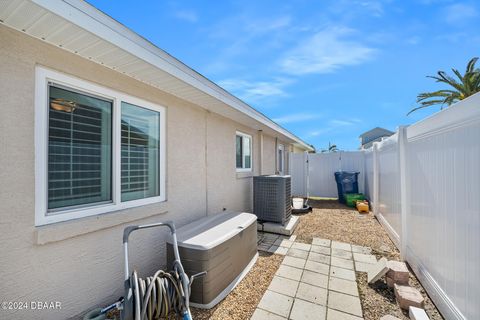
point(243, 169)
point(43, 77)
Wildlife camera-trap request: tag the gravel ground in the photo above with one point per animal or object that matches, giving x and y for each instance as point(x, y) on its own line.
point(242, 301)
point(335, 221)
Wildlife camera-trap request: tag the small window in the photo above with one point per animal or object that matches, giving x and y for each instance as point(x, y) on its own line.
point(243, 157)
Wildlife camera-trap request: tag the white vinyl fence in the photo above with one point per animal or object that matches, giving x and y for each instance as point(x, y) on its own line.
point(424, 183)
point(313, 174)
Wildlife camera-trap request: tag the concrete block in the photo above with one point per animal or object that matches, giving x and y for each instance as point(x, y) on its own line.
point(297, 253)
point(389, 317)
point(304, 310)
point(321, 242)
point(417, 314)
point(320, 249)
point(294, 262)
point(284, 286)
point(341, 245)
point(260, 314)
point(342, 254)
point(361, 249)
point(301, 246)
point(366, 258)
point(398, 272)
point(289, 272)
point(311, 293)
point(343, 286)
point(342, 273)
point(317, 257)
point(378, 270)
point(362, 266)
point(276, 303)
point(314, 278)
point(337, 315)
point(317, 267)
point(408, 297)
point(345, 303)
point(342, 263)
point(283, 243)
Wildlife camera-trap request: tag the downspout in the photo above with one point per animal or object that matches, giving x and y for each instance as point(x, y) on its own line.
point(276, 156)
point(260, 153)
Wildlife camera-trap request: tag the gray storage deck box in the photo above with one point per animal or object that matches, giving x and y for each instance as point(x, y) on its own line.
point(224, 245)
point(271, 198)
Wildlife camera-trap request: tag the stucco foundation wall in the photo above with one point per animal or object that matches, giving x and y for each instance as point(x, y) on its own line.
point(80, 263)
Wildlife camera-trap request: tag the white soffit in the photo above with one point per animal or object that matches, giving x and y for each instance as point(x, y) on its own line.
point(80, 28)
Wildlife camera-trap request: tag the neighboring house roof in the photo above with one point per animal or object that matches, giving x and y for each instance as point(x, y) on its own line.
point(374, 134)
point(80, 28)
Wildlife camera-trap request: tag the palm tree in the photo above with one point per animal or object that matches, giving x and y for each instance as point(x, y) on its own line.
point(331, 148)
point(465, 86)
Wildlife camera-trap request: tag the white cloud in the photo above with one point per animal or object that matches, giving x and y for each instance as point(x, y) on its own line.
point(326, 52)
point(256, 90)
point(332, 125)
point(186, 15)
point(296, 117)
point(459, 13)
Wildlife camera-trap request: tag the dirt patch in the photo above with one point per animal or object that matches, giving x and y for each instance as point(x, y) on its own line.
point(242, 301)
point(335, 221)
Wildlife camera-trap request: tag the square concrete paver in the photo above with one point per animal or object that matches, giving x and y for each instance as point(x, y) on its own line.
point(321, 242)
point(362, 266)
point(342, 254)
point(360, 249)
point(314, 278)
point(284, 286)
point(317, 267)
point(297, 253)
point(342, 263)
point(366, 258)
point(289, 272)
point(260, 314)
point(343, 286)
point(344, 303)
point(294, 262)
point(312, 293)
point(276, 303)
point(341, 245)
point(318, 257)
point(337, 315)
point(301, 246)
point(320, 249)
point(304, 310)
point(341, 273)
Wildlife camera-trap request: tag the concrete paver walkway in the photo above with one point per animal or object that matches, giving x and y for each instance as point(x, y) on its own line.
point(314, 281)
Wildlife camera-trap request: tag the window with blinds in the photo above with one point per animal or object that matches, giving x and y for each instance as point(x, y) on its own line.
point(79, 149)
point(140, 152)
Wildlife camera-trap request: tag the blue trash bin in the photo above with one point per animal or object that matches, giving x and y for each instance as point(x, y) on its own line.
point(347, 182)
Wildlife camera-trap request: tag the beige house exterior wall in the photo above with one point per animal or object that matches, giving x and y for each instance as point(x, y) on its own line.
point(80, 262)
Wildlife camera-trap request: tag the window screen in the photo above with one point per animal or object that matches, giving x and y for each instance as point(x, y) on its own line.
point(79, 149)
point(140, 152)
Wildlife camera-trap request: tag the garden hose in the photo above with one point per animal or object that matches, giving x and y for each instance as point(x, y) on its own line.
point(157, 296)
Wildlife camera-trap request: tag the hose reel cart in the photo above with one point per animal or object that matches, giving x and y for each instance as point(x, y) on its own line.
point(156, 296)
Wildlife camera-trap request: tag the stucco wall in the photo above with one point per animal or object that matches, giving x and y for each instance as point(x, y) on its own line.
point(80, 262)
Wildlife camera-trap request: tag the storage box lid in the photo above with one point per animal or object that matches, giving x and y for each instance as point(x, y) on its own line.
point(208, 232)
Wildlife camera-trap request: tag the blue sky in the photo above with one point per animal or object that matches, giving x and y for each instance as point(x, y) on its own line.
point(325, 70)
